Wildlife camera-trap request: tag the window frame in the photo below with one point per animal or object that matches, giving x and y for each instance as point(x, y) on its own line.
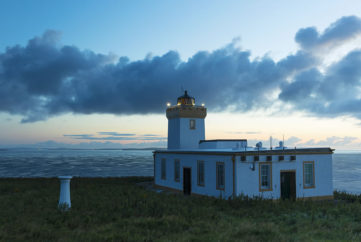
point(163, 169)
point(313, 185)
point(270, 187)
point(192, 124)
point(199, 182)
point(176, 171)
point(224, 176)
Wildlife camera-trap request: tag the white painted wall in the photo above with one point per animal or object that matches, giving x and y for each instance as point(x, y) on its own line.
point(180, 136)
point(248, 180)
point(190, 160)
point(219, 144)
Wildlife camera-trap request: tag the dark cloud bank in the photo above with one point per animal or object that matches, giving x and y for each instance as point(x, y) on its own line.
point(45, 79)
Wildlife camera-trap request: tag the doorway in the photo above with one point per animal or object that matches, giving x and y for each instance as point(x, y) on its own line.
point(187, 185)
point(288, 185)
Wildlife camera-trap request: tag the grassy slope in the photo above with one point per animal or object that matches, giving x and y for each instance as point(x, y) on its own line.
point(117, 209)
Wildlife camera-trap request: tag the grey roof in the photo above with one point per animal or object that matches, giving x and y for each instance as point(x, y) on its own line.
point(301, 151)
point(223, 140)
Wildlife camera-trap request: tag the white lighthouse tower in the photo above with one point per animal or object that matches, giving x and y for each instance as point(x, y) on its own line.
point(185, 123)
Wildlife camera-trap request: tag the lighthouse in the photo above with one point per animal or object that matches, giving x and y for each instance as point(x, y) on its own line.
point(185, 123)
point(230, 167)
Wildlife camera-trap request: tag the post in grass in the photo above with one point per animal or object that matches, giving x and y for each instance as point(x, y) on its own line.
point(64, 199)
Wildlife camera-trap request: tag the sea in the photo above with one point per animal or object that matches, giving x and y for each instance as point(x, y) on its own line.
point(120, 163)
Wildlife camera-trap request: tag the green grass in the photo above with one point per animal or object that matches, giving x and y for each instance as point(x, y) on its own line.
point(116, 209)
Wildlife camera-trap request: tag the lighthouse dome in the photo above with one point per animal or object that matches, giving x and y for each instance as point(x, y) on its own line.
point(186, 100)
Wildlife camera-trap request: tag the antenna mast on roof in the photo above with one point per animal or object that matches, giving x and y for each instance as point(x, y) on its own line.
point(270, 142)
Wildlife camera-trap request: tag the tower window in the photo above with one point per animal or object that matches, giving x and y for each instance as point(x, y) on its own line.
point(192, 124)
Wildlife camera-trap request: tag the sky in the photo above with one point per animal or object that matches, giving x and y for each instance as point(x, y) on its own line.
point(99, 74)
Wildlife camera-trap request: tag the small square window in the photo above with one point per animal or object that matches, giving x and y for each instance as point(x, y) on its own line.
point(243, 158)
point(281, 158)
point(293, 157)
point(269, 158)
point(192, 124)
point(256, 158)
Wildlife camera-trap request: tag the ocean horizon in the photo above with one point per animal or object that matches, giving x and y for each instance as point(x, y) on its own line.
point(32, 163)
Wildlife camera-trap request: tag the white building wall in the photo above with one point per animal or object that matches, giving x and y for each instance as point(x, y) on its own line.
point(248, 179)
point(190, 160)
point(173, 133)
point(180, 136)
point(218, 144)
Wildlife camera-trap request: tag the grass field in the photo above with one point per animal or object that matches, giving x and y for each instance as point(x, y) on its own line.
point(116, 209)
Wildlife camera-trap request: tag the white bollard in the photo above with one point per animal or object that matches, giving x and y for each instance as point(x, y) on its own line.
point(64, 200)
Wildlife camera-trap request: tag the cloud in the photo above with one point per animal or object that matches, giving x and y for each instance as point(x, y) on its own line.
point(45, 79)
point(289, 142)
point(243, 132)
point(293, 141)
point(342, 30)
point(50, 144)
point(303, 86)
point(114, 136)
point(334, 141)
point(335, 92)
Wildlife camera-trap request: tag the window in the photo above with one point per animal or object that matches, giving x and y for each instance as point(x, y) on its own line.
point(269, 158)
point(192, 124)
point(308, 174)
point(243, 158)
point(163, 170)
point(256, 158)
point(176, 170)
point(200, 173)
point(220, 175)
point(265, 176)
point(281, 158)
point(293, 157)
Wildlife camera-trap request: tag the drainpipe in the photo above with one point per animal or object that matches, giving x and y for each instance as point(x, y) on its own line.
point(234, 183)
